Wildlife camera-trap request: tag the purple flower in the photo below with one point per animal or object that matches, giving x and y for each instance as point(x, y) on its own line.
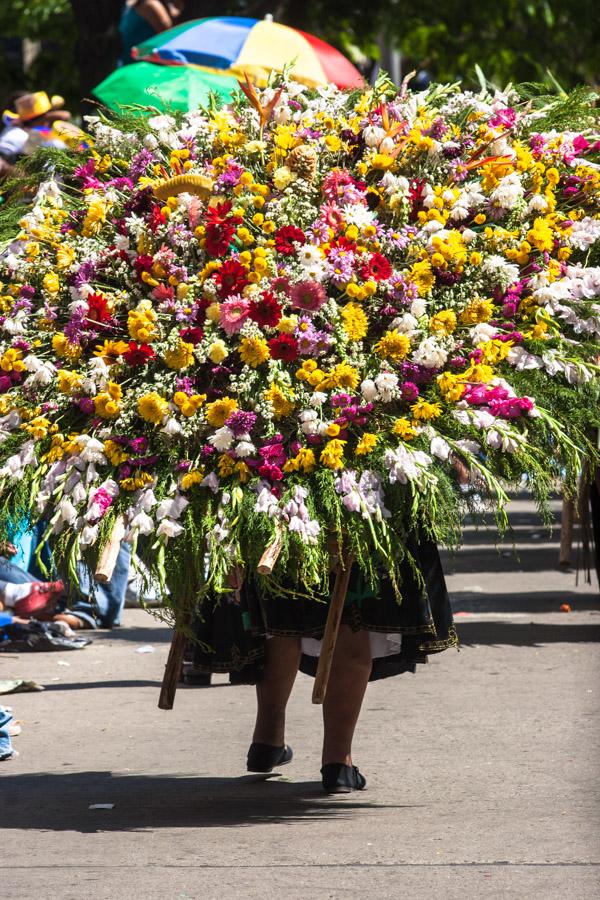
point(241, 422)
point(140, 162)
point(86, 405)
point(138, 444)
point(409, 391)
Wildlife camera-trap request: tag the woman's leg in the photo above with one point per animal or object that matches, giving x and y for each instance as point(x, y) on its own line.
point(348, 680)
point(274, 689)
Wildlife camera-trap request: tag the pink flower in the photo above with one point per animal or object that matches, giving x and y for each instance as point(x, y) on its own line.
point(102, 500)
point(233, 314)
point(308, 296)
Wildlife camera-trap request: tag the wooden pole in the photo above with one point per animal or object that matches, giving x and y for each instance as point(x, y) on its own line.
point(332, 627)
point(266, 563)
point(108, 557)
point(172, 670)
point(566, 532)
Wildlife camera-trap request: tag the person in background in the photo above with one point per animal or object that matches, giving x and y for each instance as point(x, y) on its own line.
point(141, 19)
point(28, 125)
point(20, 592)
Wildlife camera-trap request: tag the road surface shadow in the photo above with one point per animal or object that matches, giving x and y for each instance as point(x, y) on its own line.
point(60, 802)
point(527, 602)
point(524, 634)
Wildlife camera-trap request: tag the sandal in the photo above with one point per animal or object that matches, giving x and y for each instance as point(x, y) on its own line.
point(341, 779)
point(264, 757)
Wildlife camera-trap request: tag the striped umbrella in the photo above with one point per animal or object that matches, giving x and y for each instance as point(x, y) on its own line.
point(255, 47)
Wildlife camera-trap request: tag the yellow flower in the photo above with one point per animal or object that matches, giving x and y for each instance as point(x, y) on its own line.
point(188, 405)
point(393, 345)
point(332, 454)
point(181, 357)
point(476, 311)
point(111, 350)
point(366, 444)
point(541, 235)
point(282, 177)
point(63, 347)
point(64, 256)
point(345, 376)
point(282, 405)
point(404, 429)
point(355, 321)
point(107, 403)
point(304, 461)
point(152, 408)
point(213, 312)
point(287, 324)
point(450, 386)
point(332, 430)
point(478, 373)
point(95, 217)
point(51, 283)
point(38, 427)
point(254, 351)
point(443, 322)
point(219, 411)
point(137, 482)
point(493, 352)
point(114, 453)
point(68, 382)
point(218, 351)
point(422, 276)
point(422, 410)
point(141, 323)
point(194, 476)
point(11, 361)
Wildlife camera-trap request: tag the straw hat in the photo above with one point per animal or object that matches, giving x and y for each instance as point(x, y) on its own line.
point(32, 106)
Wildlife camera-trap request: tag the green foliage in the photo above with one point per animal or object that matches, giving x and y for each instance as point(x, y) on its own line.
point(54, 69)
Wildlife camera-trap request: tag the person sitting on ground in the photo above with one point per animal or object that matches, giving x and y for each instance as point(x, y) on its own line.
point(21, 592)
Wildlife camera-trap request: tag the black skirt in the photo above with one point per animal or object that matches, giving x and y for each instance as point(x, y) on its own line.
point(231, 631)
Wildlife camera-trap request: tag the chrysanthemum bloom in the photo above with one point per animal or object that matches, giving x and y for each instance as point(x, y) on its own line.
point(308, 296)
point(355, 321)
point(233, 313)
point(282, 405)
point(332, 454)
point(443, 322)
point(138, 354)
point(366, 444)
point(219, 411)
point(181, 357)
point(404, 429)
point(286, 237)
point(254, 351)
point(152, 408)
point(393, 345)
point(478, 310)
point(218, 351)
point(422, 410)
point(265, 311)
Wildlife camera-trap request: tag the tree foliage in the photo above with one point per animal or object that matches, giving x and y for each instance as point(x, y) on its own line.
point(510, 40)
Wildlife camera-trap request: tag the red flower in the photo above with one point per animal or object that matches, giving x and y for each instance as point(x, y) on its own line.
point(143, 264)
point(98, 309)
point(138, 354)
point(218, 239)
point(285, 238)
point(284, 347)
point(192, 335)
point(157, 218)
point(308, 296)
point(220, 228)
point(265, 311)
point(378, 268)
point(231, 278)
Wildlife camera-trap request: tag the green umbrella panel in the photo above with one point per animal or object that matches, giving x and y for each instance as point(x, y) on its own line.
point(162, 87)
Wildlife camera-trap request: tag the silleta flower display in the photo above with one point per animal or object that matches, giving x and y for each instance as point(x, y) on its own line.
point(297, 317)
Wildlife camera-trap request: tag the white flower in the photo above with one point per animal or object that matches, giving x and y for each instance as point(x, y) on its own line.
point(386, 383)
point(171, 427)
point(368, 389)
point(440, 448)
point(244, 448)
point(359, 215)
point(169, 529)
point(317, 399)
point(89, 535)
point(171, 507)
point(66, 511)
point(373, 135)
point(92, 450)
point(418, 307)
point(211, 482)
point(141, 523)
point(500, 271)
point(430, 354)
point(310, 255)
point(222, 439)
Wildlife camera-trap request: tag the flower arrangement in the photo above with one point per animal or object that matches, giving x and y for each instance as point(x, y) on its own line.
point(294, 318)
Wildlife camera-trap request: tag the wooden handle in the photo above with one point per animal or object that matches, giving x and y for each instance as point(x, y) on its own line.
point(332, 627)
point(172, 670)
point(108, 557)
point(266, 563)
point(566, 532)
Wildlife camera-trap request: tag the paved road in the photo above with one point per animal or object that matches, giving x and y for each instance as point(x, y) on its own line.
point(483, 769)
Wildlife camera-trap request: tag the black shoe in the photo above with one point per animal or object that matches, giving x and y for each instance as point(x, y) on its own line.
point(264, 757)
point(341, 779)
